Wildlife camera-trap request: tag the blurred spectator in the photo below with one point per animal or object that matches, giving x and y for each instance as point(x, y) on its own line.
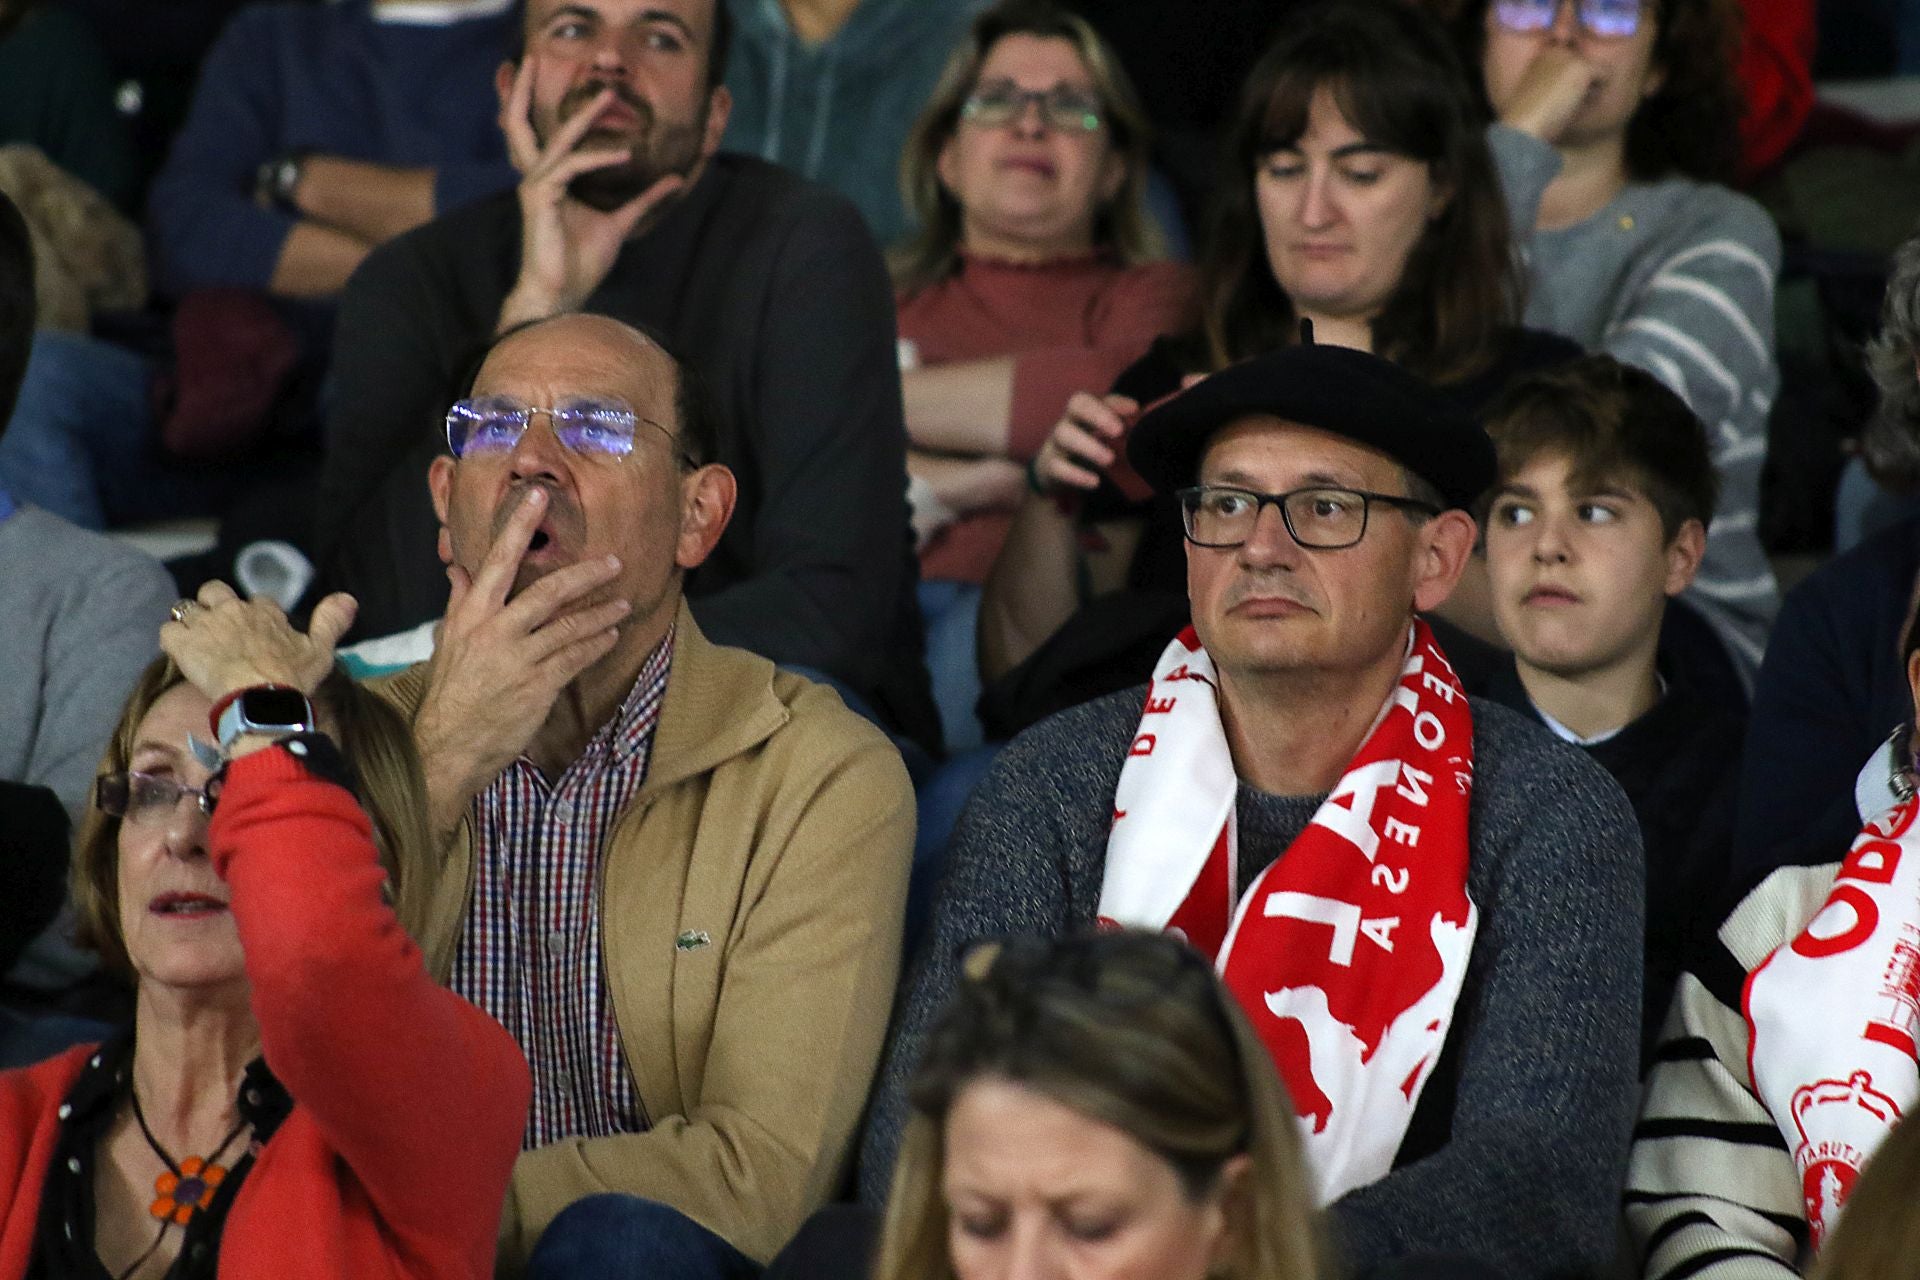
point(1113, 1073)
point(1599, 518)
point(155, 52)
point(769, 284)
point(1880, 1234)
point(1788, 1055)
point(829, 88)
point(1832, 682)
point(1444, 1009)
point(1776, 79)
point(1617, 123)
point(1358, 195)
point(700, 1053)
point(81, 616)
point(317, 131)
point(60, 99)
point(1030, 276)
point(88, 256)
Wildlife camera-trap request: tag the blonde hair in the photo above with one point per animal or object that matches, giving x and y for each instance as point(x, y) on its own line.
point(1879, 1235)
point(378, 746)
point(932, 253)
point(1132, 1030)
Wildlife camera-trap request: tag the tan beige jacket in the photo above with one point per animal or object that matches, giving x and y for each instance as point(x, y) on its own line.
point(750, 912)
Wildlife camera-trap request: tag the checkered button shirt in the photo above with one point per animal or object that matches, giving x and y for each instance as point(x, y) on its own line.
point(530, 953)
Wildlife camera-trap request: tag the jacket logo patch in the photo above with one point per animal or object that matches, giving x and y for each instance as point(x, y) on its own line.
point(692, 940)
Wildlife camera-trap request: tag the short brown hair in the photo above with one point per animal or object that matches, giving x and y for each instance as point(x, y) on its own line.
point(1123, 227)
point(1614, 423)
point(378, 747)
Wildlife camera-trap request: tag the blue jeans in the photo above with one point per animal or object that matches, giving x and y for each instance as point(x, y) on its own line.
point(616, 1237)
point(951, 611)
point(83, 444)
point(941, 798)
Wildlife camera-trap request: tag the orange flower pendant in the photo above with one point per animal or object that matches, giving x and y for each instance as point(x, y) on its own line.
point(181, 1195)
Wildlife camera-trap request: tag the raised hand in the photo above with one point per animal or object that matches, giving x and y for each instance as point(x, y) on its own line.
point(500, 665)
point(1550, 93)
point(566, 247)
point(1085, 442)
point(222, 643)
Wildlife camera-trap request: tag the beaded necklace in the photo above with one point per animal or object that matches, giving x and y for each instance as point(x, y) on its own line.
point(185, 1188)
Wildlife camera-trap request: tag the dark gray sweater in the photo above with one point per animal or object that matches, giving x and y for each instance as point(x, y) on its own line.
point(1517, 1151)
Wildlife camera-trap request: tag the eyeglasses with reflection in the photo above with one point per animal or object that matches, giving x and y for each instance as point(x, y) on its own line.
point(592, 426)
point(147, 798)
point(1320, 518)
point(1610, 19)
point(999, 102)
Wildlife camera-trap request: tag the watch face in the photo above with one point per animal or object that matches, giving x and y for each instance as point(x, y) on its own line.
point(275, 707)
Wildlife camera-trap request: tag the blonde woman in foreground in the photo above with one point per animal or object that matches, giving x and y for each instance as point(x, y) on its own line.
point(1097, 1107)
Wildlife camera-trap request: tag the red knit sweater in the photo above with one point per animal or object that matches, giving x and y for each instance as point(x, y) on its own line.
point(1071, 326)
point(408, 1102)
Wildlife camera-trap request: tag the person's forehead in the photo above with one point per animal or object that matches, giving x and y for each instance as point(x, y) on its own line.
point(1560, 472)
point(696, 15)
point(1044, 60)
point(1273, 449)
point(580, 356)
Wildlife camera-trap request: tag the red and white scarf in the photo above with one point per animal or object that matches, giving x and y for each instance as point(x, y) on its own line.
point(1833, 1015)
point(1348, 952)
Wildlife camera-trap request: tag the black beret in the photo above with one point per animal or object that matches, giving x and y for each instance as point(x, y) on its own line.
point(1351, 393)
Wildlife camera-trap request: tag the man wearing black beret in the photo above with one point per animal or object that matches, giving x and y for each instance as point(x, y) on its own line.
point(1429, 908)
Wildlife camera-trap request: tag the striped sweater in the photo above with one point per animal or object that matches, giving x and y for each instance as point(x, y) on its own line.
point(1676, 277)
point(1712, 1193)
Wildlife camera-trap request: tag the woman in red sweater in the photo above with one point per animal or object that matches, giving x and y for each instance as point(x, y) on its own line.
point(296, 1097)
point(1032, 275)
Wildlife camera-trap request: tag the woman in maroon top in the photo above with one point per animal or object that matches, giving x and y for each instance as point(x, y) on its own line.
point(296, 1097)
point(1032, 275)
point(1358, 194)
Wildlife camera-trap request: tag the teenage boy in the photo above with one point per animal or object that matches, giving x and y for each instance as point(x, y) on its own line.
point(1598, 519)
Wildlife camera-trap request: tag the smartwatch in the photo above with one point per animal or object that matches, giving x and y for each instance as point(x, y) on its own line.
point(265, 708)
point(275, 181)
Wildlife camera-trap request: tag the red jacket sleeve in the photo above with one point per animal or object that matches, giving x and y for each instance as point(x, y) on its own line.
point(423, 1096)
point(1776, 76)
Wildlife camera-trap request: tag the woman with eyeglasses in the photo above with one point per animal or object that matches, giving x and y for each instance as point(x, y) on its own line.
point(295, 1097)
point(1358, 195)
point(1097, 1108)
point(1032, 274)
point(1618, 121)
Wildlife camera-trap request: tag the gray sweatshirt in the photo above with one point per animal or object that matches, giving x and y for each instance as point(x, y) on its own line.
point(82, 617)
point(1676, 277)
point(1518, 1148)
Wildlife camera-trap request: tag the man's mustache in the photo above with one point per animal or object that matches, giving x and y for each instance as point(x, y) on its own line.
point(1251, 587)
point(624, 93)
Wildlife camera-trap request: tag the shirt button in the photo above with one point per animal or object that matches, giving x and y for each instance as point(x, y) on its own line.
point(66, 1109)
point(560, 1078)
point(73, 1164)
point(556, 939)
